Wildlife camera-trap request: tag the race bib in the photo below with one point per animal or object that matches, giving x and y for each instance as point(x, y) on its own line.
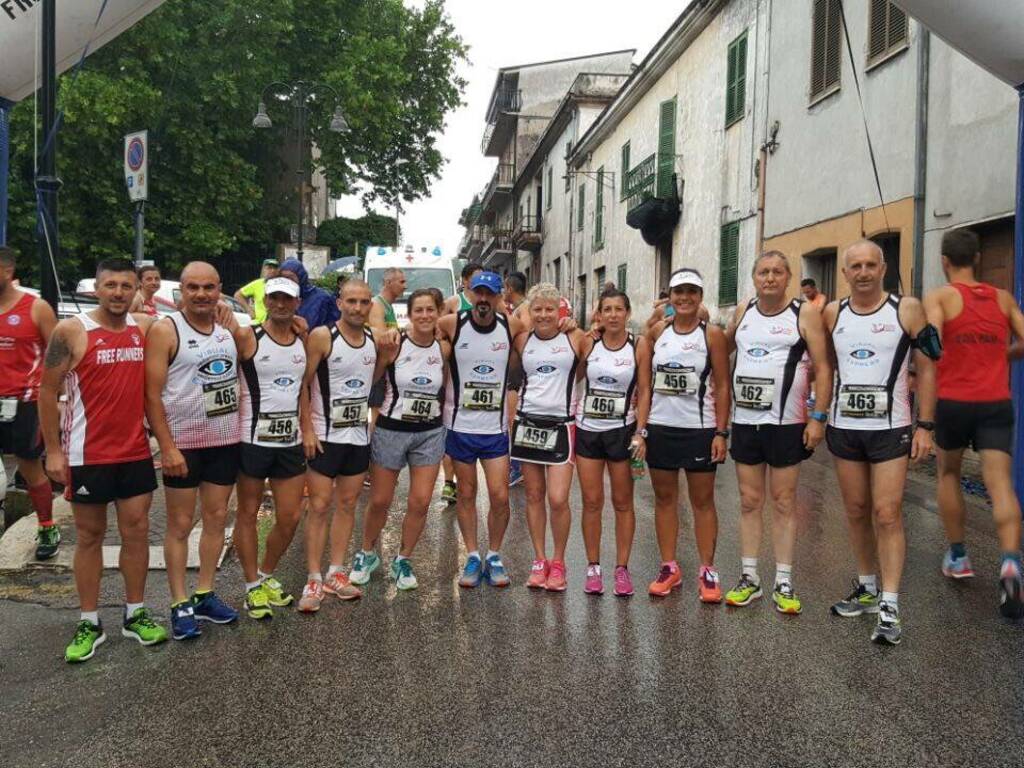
point(537, 438)
point(604, 405)
point(480, 396)
point(420, 406)
point(281, 427)
point(754, 393)
point(220, 399)
point(676, 381)
point(8, 409)
point(348, 412)
point(862, 401)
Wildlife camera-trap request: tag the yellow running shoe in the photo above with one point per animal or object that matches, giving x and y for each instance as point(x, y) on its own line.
point(743, 593)
point(257, 603)
point(786, 600)
point(275, 592)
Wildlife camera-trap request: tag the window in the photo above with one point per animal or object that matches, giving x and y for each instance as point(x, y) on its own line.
point(551, 188)
point(666, 150)
point(621, 277)
point(568, 177)
point(598, 283)
point(599, 211)
point(887, 30)
point(728, 263)
point(624, 172)
point(579, 211)
point(825, 51)
point(890, 245)
point(736, 80)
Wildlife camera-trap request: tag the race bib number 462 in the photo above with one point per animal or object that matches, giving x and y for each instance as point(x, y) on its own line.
point(754, 393)
point(280, 427)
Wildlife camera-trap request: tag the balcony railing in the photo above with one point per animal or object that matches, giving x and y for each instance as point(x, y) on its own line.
point(498, 240)
point(501, 183)
point(640, 182)
point(527, 234)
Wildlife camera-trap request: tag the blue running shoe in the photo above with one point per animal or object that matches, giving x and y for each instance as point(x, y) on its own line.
point(494, 572)
point(209, 607)
point(183, 622)
point(471, 573)
point(515, 474)
point(956, 567)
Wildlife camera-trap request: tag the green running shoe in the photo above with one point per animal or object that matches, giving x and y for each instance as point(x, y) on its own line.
point(860, 601)
point(401, 572)
point(743, 593)
point(786, 600)
point(142, 628)
point(448, 493)
point(257, 603)
point(275, 592)
point(83, 646)
point(363, 565)
point(47, 541)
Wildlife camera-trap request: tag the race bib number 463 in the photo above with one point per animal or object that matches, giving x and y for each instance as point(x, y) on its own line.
point(754, 393)
point(862, 401)
point(280, 427)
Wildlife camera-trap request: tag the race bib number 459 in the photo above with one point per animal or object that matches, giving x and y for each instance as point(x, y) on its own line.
point(280, 427)
point(754, 393)
point(538, 438)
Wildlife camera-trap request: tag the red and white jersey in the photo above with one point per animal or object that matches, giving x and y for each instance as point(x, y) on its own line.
point(21, 352)
point(103, 417)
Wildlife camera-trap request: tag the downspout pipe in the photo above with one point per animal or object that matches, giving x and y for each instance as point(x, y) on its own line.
point(5, 164)
point(921, 157)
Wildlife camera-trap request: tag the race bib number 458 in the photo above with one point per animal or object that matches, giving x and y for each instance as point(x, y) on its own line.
point(280, 427)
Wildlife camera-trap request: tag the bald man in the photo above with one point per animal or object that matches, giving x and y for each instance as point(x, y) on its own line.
point(192, 407)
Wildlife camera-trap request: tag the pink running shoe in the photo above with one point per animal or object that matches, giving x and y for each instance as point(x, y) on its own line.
point(312, 596)
point(556, 577)
point(594, 585)
point(538, 574)
point(623, 581)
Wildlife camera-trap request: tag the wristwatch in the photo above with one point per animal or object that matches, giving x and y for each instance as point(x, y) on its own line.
point(926, 425)
point(820, 416)
point(722, 433)
point(642, 433)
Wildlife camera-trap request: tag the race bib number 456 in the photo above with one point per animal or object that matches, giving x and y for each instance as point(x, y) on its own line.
point(754, 393)
point(280, 427)
point(675, 381)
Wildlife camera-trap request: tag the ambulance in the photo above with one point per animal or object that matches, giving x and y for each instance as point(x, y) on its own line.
point(423, 268)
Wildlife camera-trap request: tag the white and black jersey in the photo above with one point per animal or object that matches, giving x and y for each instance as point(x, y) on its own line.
point(682, 390)
point(271, 384)
point(549, 378)
point(339, 396)
point(475, 396)
point(771, 374)
point(413, 384)
point(872, 356)
point(201, 393)
point(609, 391)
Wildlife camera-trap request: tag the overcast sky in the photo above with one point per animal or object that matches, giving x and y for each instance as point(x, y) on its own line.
point(502, 34)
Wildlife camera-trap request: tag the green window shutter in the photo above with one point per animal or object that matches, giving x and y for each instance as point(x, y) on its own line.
point(582, 206)
point(551, 188)
point(622, 277)
point(599, 210)
point(728, 263)
point(736, 80)
point(624, 171)
point(666, 149)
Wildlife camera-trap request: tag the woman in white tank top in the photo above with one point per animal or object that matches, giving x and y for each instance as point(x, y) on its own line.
point(686, 371)
point(542, 435)
point(605, 425)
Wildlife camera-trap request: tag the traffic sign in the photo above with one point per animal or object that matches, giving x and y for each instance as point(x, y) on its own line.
point(136, 165)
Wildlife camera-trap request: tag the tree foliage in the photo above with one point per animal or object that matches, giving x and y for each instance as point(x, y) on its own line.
point(343, 235)
point(192, 73)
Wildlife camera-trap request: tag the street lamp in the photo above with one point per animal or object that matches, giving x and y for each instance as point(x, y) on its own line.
point(299, 94)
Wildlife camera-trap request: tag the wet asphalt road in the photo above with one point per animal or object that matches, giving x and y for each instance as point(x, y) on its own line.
point(445, 677)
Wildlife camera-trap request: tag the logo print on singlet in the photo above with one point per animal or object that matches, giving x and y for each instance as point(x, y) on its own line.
point(354, 383)
point(483, 369)
point(421, 380)
point(218, 366)
point(545, 369)
point(497, 346)
point(607, 380)
point(14, 320)
point(882, 327)
point(757, 352)
point(862, 354)
point(284, 382)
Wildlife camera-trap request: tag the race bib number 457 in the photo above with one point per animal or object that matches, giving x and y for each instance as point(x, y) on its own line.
point(348, 412)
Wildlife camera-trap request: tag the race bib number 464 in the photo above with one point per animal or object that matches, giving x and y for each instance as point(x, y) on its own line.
point(420, 406)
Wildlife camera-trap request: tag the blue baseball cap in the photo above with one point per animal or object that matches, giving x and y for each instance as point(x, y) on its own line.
point(489, 280)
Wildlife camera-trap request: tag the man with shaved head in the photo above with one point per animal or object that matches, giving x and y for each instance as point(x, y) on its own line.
point(871, 430)
point(192, 407)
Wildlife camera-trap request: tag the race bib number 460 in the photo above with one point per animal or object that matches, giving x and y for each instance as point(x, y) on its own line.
point(8, 409)
point(675, 381)
point(754, 393)
point(479, 396)
point(348, 412)
point(538, 438)
point(604, 405)
point(420, 406)
point(861, 401)
point(220, 399)
point(280, 427)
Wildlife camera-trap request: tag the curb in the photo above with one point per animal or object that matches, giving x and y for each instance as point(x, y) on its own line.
point(18, 544)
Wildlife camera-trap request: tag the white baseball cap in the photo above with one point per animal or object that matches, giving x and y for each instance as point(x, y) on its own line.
point(686, 277)
point(282, 285)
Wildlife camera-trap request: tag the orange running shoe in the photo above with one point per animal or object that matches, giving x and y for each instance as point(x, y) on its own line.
point(339, 586)
point(538, 574)
point(668, 579)
point(709, 585)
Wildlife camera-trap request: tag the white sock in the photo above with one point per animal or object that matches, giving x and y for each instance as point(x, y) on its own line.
point(367, 552)
point(491, 553)
point(750, 569)
point(314, 576)
point(263, 576)
point(869, 582)
point(92, 616)
point(131, 608)
point(475, 553)
point(400, 558)
point(892, 598)
point(783, 574)
point(249, 585)
point(333, 570)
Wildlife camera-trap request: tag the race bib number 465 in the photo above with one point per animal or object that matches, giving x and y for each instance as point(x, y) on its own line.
point(754, 393)
point(220, 399)
point(280, 427)
point(420, 406)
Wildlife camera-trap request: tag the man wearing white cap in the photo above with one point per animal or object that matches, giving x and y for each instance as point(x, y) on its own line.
point(272, 360)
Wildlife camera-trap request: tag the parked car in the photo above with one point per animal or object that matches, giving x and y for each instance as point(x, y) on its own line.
point(168, 298)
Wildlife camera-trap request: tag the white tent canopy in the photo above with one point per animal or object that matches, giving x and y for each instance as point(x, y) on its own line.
point(991, 32)
point(75, 26)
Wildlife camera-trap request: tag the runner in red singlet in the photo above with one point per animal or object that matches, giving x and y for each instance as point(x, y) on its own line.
point(982, 329)
point(103, 454)
point(145, 297)
point(26, 323)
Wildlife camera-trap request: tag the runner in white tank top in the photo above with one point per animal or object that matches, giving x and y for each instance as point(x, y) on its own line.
point(475, 393)
point(870, 434)
point(412, 388)
point(271, 384)
point(192, 395)
point(683, 392)
point(609, 387)
point(340, 389)
point(549, 377)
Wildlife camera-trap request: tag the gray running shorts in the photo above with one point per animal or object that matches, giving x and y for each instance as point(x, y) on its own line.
point(394, 450)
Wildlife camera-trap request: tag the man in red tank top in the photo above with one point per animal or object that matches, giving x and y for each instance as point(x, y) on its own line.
point(982, 330)
point(26, 323)
point(103, 455)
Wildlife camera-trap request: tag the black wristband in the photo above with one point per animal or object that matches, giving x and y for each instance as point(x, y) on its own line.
point(722, 433)
point(927, 425)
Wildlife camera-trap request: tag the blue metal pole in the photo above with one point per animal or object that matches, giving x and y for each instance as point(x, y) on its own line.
point(1017, 376)
point(5, 143)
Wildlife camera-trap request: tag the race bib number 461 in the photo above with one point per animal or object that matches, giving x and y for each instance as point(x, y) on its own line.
point(479, 396)
point(754, 393)
point(280, 427)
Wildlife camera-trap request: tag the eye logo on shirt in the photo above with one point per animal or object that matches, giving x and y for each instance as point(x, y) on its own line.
point(421, 381)
point(607, 380)
point(484, 369)
point(546, 369)
point(862, 354)
point(757, 352)
point(218, 366)
point(354, 383)
point(284, 382)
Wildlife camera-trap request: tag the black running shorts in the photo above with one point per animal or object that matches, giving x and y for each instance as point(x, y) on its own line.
point(341, 459)
point(21, 436)
point(683, 448)
point(777, 445)
point(982, 426)
point(610, 445)
point(272, 463)
point(217, 466)
point(872, 446)
point(104, 483)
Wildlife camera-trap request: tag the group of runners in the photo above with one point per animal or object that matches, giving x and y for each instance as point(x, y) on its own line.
point(235, 406)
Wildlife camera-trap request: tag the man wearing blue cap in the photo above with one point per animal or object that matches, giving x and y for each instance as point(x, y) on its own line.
point(476, 418)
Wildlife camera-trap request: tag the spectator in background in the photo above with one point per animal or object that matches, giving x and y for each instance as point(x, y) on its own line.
point(149, 284)
point(812, 295)
point(250, 295)
point(316, 306)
